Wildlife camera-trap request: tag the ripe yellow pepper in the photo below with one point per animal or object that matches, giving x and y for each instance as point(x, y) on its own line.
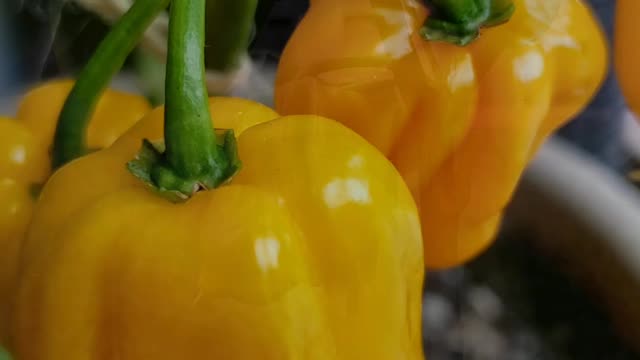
point(459, 122)
point(298, 241)
point(25, 163)
point(310, 252)
point(626, 51)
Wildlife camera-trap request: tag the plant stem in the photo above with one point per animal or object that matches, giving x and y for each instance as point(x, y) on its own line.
point(229, 28)
point(194, 158)
point(189, 136)
point(69, 140)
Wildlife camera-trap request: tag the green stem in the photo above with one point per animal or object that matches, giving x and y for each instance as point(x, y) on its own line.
point(459, 21)
point(229, 27)
point(69, 141)
point(193, 157)
point(189, 137)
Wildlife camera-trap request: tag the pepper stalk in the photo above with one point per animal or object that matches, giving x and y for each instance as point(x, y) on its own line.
point(225, 54)
point(228, 32)
point(192, 157)
point(108, 59)
point(459, 21)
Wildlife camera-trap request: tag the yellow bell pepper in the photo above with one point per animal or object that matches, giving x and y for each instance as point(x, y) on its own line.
point(459, 122)
point(312, 251)
point(25, 163)
point(626, 51)
point(298, 241)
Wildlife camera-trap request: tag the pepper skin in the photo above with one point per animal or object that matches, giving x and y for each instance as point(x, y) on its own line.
point(459, 123)
point(312, 251)
point(21, 163)
point(24, 161)
point(627, 52)
point(115, 113)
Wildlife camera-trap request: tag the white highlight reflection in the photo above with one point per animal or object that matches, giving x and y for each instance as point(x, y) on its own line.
point(18, 155)
point(529, 66)
point(340, 192)
point(267, 250)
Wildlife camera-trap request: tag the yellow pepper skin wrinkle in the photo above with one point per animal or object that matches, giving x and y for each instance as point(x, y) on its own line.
point(459, 123)
point(25, 163)
point(312, 251)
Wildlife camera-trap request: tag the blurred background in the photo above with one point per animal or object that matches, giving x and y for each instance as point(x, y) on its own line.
point(562, 281)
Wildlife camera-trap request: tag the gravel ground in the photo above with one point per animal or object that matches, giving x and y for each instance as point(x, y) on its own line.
point(512, 303)
point(467, 320)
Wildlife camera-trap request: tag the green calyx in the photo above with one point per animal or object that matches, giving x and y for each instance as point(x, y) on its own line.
point(459, 21)
point(153, 169)
point(192, 157)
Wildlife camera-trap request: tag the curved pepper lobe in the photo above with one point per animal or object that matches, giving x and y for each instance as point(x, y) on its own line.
point(290, 260)
point(25, 164)
point(114, 114)
point(460, 123)
point(21, 157)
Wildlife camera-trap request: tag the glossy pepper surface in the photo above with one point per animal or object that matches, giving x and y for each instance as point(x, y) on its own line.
point(312, 251)
point(627, 52)
point(25, 163)
point(459, 122)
